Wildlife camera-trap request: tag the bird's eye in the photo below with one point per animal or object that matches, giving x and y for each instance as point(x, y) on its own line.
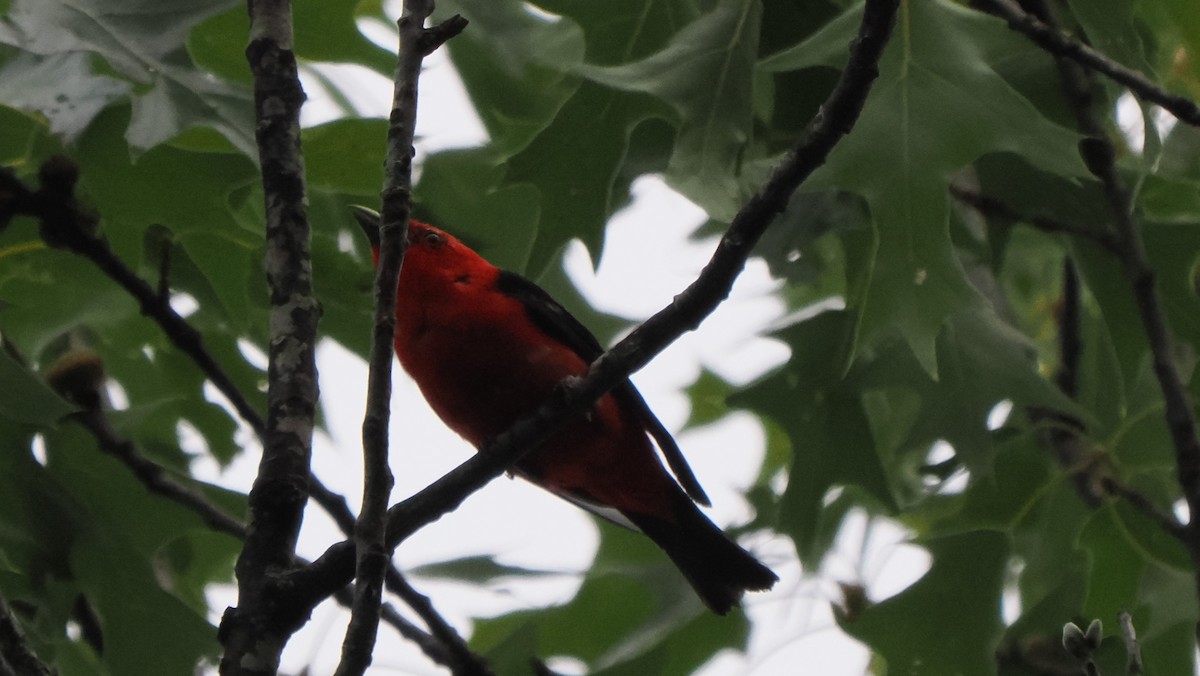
point(423, 236)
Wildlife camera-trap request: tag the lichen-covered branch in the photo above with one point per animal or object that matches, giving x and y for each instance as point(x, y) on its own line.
point(252, 634)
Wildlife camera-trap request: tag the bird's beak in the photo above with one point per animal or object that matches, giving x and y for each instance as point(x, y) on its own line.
point(368, 220)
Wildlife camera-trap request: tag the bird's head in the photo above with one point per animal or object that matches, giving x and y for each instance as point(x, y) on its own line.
point(432, 252)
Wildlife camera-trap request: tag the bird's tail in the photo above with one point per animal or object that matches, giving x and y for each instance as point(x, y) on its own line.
point(717, 568)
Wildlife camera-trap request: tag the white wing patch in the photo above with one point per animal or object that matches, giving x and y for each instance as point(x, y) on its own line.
point(605, 512)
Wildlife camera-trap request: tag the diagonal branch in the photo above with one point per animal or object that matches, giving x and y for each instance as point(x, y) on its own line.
point(454, 652)
point(835, 119)
point(64, 224)
point(416, 42)
point(79, 378)
point(154, 476)
point(1059, 43)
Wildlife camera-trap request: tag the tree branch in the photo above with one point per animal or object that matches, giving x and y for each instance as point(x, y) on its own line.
point(64, 224)
point(1100, 157)
point(1059, 43)
point(461, 660)
point(1140, 501)
point(154, 476)
point(14, 651)
point(835, 119)
point(372, 555)
point(251, 633)
point(995, 208)
point(441, 644)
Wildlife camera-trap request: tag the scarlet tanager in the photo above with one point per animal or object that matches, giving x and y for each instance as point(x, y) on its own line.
point(487, 346)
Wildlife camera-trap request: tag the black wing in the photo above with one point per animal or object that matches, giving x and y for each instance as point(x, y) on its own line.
point(549, 316)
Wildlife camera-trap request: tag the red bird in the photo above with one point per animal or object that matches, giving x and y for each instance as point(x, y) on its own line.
point(487, 347)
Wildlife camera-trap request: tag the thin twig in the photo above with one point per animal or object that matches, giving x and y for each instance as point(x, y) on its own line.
point(992, 207)
point(155, 477)
point(373, 556)
point(1061, 44)
point(1070, 331)
point(434, 649)
point(689, 308)
point(1063, 434)
point(461, 660)
point(1145, 505)
point(14, 650)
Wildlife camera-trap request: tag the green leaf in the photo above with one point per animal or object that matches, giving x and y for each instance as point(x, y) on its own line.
point(826, 423)
point(328, 31)
point(948, 622)
point(578, 195)
point(61, 87)
point(1111, 29)
point(189, 563)
point(938, 105)
point(45, 293)
point(637, 610)
point(1116, 566)
point(477, 569)
point(23, 139)
point(516, 67)
point(704, 73)
point(708, 396)
point(797, 249)
point(1019, 479)
point(145, 49)
point(462, 192)
point(25, 398)
point(218, 45)
point(984, 361)
point(137, 612)
point(41, 520)
point(228, 262)
point(346, 156)
point(577, 161)
point(1181, 151)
